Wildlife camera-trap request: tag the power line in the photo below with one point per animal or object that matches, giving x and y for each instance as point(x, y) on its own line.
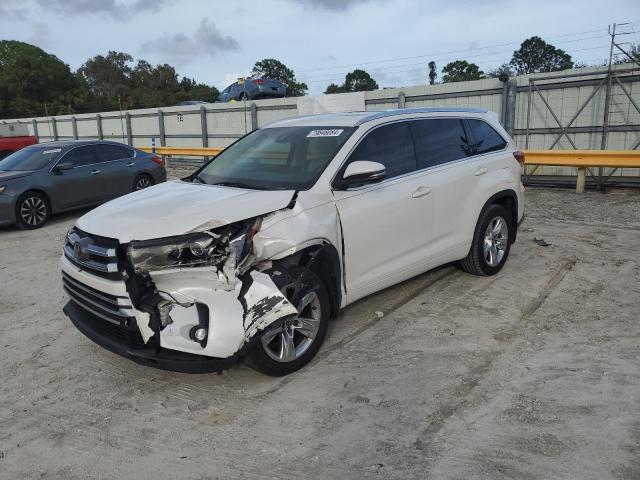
point(372, 62)
point(384, 70)
point(336, 75)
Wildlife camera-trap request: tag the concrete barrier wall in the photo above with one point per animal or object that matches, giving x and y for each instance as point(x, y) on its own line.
point(218, 125)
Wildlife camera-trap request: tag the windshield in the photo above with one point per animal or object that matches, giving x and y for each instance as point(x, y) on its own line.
point(29, 159)
point(290, 158)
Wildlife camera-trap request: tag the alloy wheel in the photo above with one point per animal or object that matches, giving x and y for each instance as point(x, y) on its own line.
point(295, 336)
point(33, 211)
point(496, 238)
point(142, 182)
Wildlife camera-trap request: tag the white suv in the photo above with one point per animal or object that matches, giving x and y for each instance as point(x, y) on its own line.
point(254, 253)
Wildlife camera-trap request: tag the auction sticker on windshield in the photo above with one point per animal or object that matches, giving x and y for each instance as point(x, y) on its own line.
point(324, 133)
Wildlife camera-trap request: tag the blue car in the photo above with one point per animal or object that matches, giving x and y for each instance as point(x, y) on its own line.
point(253, 89)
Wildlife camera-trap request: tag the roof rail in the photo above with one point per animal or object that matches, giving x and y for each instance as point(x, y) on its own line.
point(402, 111)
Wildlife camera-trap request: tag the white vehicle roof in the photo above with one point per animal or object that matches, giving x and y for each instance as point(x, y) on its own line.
point(354, 119)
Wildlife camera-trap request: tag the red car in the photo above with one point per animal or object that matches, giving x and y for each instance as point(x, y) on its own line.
point(8, 145)
point(13, 138)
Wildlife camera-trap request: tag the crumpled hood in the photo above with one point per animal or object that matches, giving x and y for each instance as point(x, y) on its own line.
point(6, 175)
point(176, 208)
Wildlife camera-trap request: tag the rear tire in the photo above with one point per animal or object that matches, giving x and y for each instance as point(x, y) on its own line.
point(492, 240)
point(32, 211)
point(290, 343)
point(141, 182)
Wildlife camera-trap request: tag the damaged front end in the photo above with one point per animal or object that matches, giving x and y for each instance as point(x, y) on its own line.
point(203, 293)
point(190, 303)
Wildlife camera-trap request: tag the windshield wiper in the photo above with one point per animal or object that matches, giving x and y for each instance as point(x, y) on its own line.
point(199, 179)
point(240, 185)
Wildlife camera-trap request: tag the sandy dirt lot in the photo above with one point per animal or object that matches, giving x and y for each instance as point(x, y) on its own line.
point(533, 373)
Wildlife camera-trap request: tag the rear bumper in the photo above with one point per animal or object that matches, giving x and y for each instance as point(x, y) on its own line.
point(267, 92)
point(160, 175)
point(129, 344)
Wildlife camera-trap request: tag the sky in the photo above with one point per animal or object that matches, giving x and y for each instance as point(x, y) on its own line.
point(216, 42)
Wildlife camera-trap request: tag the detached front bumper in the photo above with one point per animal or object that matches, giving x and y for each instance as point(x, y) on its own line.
point(128, 343)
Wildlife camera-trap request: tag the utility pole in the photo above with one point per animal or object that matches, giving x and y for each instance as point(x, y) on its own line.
point(121, 121)
point(241, 81)
point(46, 114)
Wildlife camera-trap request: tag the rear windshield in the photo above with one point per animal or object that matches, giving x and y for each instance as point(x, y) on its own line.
point(289, 158)
point(29, 159)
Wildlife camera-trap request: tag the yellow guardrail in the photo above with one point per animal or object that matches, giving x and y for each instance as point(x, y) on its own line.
point(185, 151)
point(582, 160)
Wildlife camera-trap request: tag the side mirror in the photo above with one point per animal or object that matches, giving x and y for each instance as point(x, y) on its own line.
point(361, 173)
point(63, 166)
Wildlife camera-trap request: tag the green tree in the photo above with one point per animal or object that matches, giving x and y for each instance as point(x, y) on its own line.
point(432, 73)
point(333, 88)
point(191, 90)
point(29, 78)
point(504, 68)
point(461, 71)
point(536, 56)
point(359, 81)
point(356, 81)
point(276, 70)
point(109, 79)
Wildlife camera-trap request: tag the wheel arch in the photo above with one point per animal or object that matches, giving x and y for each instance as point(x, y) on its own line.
point(509, 200)
point(322, 259)
point(36, 190)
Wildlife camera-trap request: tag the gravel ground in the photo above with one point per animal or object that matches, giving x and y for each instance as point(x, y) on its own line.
point(533, 373)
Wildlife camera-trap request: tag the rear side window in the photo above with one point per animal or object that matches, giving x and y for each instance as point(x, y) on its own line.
point(439, 140)
point(81, 156)
point(485, 138)
point(390, 145)
point(107, 153)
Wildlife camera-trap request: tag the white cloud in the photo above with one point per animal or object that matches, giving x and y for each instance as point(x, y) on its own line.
point(181, 49)
point(336, 5)
point(118, 10)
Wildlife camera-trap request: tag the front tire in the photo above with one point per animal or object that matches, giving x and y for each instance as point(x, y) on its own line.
point(491, 242)
point(291, 343)
point(32, 211)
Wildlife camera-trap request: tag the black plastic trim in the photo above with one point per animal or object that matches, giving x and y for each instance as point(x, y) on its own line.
point(147, 355)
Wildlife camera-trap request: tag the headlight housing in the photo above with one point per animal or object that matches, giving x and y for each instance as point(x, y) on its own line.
point(2, 188)
point(198, 249)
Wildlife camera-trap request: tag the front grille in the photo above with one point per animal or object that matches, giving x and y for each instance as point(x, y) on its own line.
point(110, 315)
point(96, 255)
point(113, 309)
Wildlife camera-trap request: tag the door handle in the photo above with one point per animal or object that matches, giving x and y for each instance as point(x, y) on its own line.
point(130, 164)
point(481, 171)
point(421, 192)
point(95, 172)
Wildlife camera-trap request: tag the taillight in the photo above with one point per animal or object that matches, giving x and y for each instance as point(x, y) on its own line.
point(258, 81)
point(158, 160)
point(519, 156)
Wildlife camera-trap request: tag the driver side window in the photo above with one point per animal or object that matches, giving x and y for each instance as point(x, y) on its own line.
point(390, 145)
point(81, 156)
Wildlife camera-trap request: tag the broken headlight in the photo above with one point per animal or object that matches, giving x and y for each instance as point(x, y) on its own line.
point(199, 249)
